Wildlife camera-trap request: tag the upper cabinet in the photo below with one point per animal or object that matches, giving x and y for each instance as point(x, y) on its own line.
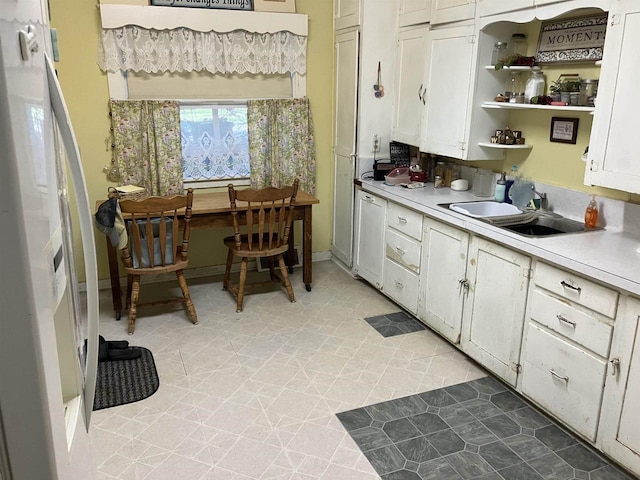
point(413, 12)
point(493, 7)
point(612, 160)
point(411, 86)
point(346, 13)
point(444, 11)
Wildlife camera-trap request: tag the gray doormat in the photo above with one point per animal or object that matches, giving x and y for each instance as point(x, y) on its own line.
point(126, 381)
point(476, 430)
point(393, 324)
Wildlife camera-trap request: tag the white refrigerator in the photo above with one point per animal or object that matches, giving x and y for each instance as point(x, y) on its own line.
point(47, 374)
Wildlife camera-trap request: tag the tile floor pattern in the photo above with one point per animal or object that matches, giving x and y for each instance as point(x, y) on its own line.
point(473, 430)
point(397, 323)
point(254, 395)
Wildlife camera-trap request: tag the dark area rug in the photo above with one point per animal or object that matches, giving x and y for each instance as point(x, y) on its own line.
point(476, 430)
point(393, 324)
point(126, 381)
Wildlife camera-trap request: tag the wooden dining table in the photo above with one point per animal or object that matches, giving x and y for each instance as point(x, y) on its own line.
point(211, 210)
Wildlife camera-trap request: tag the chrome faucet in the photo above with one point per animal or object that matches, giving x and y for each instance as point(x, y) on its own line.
point(544, 204)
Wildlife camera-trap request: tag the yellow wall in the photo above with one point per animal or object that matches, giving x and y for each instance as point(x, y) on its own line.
point(85, 88)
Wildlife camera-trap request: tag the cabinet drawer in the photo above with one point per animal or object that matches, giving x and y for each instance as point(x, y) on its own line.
point(577, 289)
point(401, 285)
point(580, 327)
point(564, 379)
point(406, 221)
point(403, 250)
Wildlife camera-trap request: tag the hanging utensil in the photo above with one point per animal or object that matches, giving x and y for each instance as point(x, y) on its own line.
point(378, 88)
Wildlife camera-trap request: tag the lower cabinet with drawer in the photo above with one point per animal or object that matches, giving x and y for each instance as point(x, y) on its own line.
point(402, 256)
point(566, 346)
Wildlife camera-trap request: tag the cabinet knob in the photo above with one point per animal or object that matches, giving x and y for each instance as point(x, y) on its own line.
point(399, 284)
point(402, 220)
point(615, 366)
point(400, 251)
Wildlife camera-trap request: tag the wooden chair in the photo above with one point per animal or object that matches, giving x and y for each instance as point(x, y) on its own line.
point(270, 210)
point(153, 229)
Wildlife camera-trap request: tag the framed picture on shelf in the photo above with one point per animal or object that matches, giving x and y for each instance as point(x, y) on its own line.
point(572, 40)
point(564, 130)
point(286, 6)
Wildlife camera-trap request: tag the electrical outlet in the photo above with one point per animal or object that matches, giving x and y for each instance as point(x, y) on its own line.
point(375, 144)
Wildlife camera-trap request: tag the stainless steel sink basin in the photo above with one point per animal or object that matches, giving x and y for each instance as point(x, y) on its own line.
point(548, 225)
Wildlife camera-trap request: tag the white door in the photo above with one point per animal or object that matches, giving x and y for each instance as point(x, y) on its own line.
point(370, 229)
point(494, 309)
point(412, 55)
point(345, 123)
point(443, 271)
point(618, 434)
point(346, 13)
point(613, 157)
point(413, 12)
point(450, 84)
point(443, 11)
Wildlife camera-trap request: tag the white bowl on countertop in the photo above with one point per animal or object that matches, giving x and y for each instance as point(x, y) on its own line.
point(460, 184)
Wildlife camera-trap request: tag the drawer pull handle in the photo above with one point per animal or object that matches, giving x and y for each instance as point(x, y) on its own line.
point(402, 220)
point(564, 320)
point(568, 285)
point(558, 376)
point(399, 284)
point(615, 366)
point(400, 251)
point(368, 198)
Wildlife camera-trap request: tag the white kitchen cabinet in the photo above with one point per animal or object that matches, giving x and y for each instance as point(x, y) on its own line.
point(494, 309)
point(344, 150)
point(444, 11)
point(612, 160)
point(494, 7)
point(442, 278)
point(413, 12)
point(449, 107)
point(618, 434)
point(370, 237)
point(411, 86)
point(401, 285)
point(346, 13)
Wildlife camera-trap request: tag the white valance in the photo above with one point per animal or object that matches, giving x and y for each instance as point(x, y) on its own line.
point(132, 48)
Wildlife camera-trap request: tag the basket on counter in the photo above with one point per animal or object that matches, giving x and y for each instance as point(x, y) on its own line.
point(128, 192)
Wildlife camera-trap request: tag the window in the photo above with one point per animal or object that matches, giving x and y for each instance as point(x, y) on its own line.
point(215, 144)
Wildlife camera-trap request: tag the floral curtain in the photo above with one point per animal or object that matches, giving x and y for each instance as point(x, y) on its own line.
point(147, 148)
point(281, 145)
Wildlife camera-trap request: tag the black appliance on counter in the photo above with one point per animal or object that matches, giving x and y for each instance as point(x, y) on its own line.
point(382, 167)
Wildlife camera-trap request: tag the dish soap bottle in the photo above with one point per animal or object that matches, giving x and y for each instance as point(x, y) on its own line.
point(501, 188)
point(510, 179)
point(591, 213)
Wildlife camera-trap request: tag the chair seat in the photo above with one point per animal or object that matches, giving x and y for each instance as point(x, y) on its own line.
point(244, 251)
point(174, 267)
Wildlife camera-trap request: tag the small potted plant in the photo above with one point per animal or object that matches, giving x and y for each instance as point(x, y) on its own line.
point(566, 85)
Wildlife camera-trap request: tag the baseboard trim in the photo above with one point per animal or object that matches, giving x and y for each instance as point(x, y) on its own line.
point(199, 272)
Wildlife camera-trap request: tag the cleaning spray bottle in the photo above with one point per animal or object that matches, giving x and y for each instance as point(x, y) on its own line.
point(591, 213)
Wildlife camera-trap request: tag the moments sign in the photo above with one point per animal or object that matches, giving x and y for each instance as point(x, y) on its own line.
point(572, 40)
point(222, 4)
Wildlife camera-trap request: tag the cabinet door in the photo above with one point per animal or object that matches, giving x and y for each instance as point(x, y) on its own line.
point(450, 84)
point(443, 11)
point(613, 160)
point(412, 54)
point(494, 7)
point(493, 316)
point(370, 228)
point(444, 266)
point(618, 434)
point(413, 12)
point(345, 119)
point(346, 13)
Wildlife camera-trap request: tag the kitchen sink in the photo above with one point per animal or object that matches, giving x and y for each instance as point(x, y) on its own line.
point(544, 225)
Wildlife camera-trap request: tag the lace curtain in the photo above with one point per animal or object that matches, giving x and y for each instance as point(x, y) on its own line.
point(147, 146)
point(183, 50)
point(281, 145)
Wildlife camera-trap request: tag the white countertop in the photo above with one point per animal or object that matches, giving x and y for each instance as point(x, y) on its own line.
point(609, 257)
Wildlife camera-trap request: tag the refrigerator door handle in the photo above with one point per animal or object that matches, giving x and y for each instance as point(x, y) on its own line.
point(86, 232)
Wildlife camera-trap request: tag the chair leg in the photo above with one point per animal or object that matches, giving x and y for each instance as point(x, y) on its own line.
point(133, 307)
point(129, 284)
point(191, 310)
point(285, 278)
point(243, 280)
point(272, 272)
point(227, 272)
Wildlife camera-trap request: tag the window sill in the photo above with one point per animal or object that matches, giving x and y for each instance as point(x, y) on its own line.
point(217, 183)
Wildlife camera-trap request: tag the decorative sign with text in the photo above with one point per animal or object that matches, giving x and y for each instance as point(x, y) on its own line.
point(220, 4)
point(572, 40)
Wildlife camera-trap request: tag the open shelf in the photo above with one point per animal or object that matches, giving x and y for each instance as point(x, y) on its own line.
point(505, 147)
point(528, 106)
point(515, 68)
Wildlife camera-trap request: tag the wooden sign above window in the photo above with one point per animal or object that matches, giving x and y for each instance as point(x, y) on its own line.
point(220, 4)
point(572, 40)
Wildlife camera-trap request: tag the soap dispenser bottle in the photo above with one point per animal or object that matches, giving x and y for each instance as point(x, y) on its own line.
point(591, 213)
point(510, 179)
point(501, 188)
